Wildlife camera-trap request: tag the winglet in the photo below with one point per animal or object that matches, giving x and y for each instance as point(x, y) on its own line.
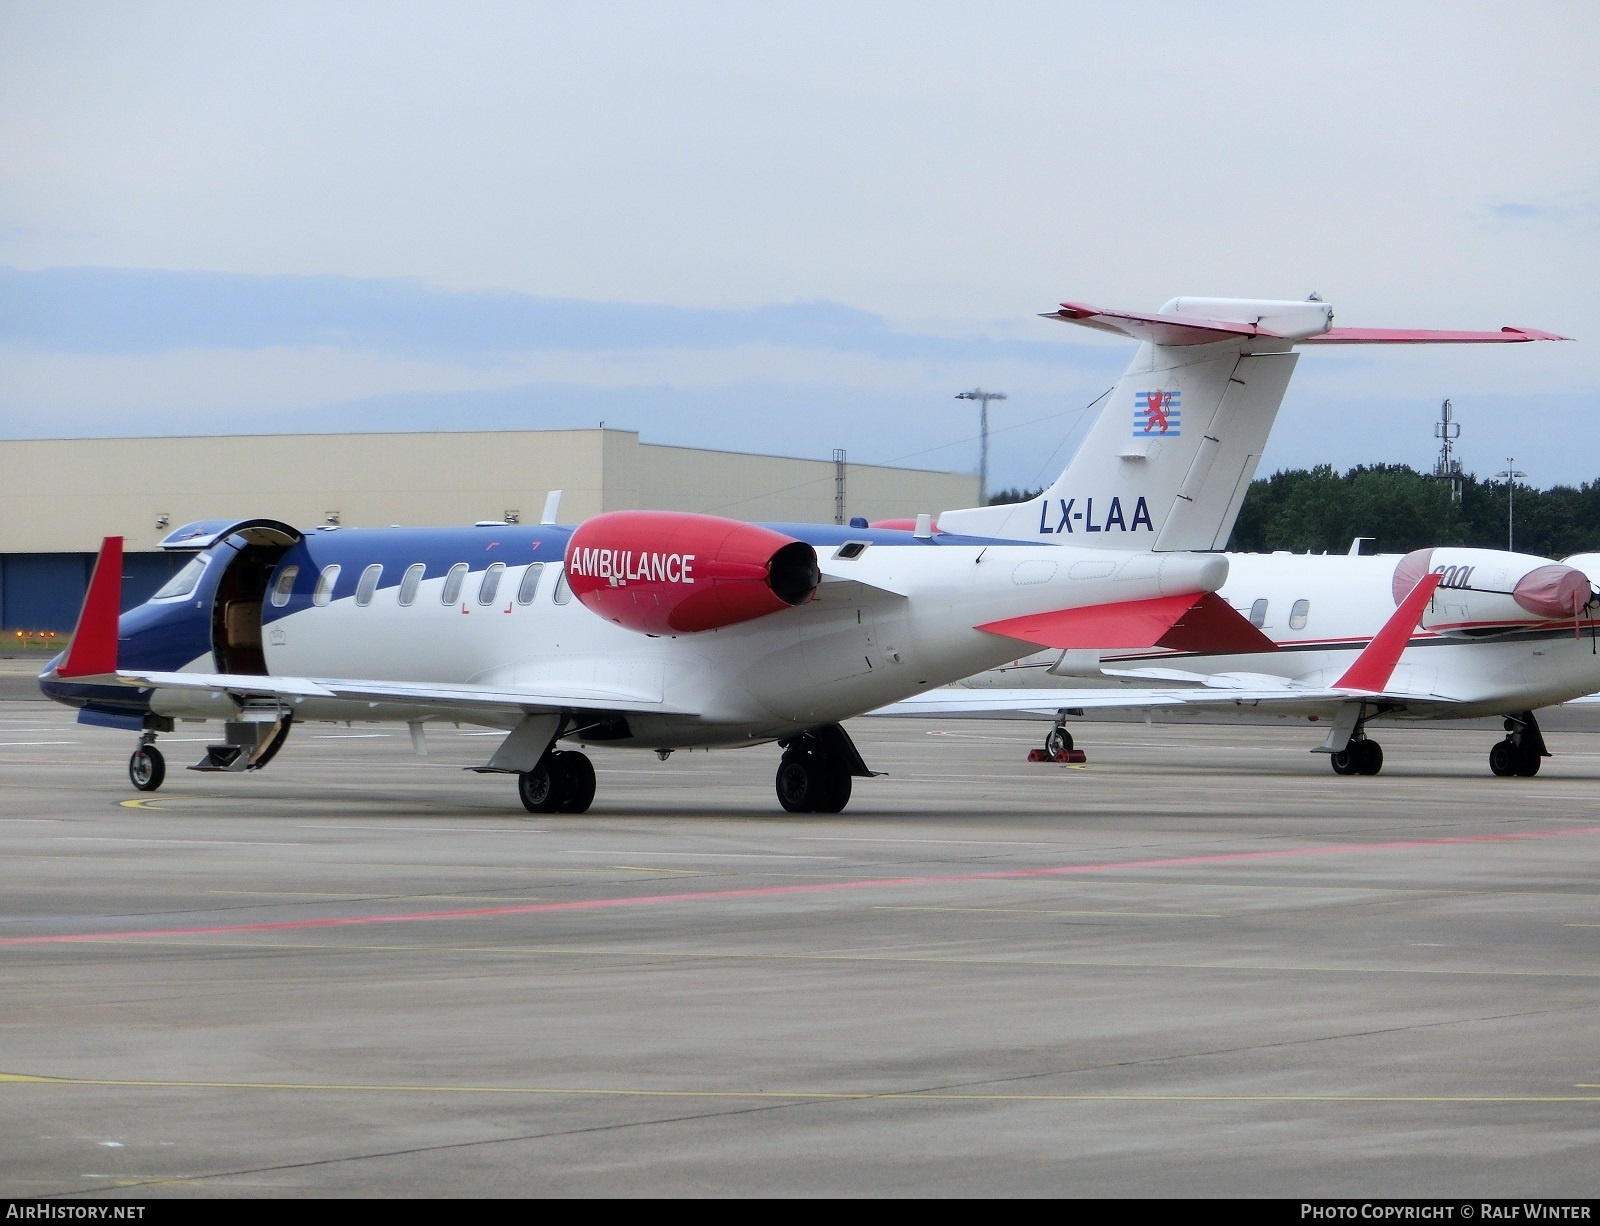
point(1375, 665)
point(94, 642)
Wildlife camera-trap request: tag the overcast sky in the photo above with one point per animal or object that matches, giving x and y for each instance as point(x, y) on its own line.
point(788, 227)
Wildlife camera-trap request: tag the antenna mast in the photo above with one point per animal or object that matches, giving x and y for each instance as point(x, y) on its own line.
point(1448, 467)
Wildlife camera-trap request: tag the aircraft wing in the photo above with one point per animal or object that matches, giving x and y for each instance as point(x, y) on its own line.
point(455, 696)
point(1365, 681)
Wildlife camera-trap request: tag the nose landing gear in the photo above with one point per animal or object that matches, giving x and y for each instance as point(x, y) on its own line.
point(147, 768)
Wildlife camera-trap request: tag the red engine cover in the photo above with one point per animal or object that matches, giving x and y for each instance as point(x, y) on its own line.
point(670, 572)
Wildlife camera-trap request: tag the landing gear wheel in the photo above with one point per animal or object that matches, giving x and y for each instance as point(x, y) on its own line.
point(1503, 758)
point(1527, 761)
point(147, 769)
point(1370, 759)
point(813, 783)
point(1344, 760)
point(836, 789)
point(540, 789)
point(576, 773)
point(1057, 741)
point(798, 786)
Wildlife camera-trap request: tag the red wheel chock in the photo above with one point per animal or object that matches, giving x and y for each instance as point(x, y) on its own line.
point(1065, 756)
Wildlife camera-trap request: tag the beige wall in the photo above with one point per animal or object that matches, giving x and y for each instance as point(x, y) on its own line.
point(63, 495)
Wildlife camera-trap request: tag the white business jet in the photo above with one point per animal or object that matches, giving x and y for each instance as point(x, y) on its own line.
point(1169, 460)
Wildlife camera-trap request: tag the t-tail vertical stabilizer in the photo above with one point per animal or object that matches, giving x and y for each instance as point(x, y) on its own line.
point(1167, 463)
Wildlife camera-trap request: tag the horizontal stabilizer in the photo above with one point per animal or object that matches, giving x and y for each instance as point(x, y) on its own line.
point(94, 641)
point(1204, 623)
point(1204, 321)
point(1428, 336)
point(1375, 665)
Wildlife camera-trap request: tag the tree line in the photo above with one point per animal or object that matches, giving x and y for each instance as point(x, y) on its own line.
point(1320, 510)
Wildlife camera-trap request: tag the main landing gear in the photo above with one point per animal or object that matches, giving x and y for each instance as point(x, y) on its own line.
point(1522, 749)
point(562, 782)
point(815, 773)
point(1360, 757)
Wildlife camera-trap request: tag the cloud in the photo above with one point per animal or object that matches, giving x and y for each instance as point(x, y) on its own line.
point(1552, 212)
point(107, 311)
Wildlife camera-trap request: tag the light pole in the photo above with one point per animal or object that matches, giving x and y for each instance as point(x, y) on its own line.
point(983, 398)
point(1511, 474)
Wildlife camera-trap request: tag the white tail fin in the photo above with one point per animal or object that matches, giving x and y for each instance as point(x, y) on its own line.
point(1169, 460)
point(1167, 463)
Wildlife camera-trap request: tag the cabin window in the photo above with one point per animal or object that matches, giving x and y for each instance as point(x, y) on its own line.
point(182, 583)
point(563, 592)
point(283, 586)
point(452, 583)
point(491, 583)
point(1297, 614)
point(530, 583)
point(1258, 613)
point(368, 584)
point(410, 582)
point(323, 592)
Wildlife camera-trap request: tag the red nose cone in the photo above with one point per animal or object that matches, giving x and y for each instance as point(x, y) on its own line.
point(1552, 591)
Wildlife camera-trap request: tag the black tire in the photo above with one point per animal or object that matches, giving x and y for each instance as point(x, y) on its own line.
point(577, 773)
point(1503, 759)
point(1057, 740)
point(798, 784)
point(1527, 762)
point(540, 789)
point(836, 786)
point(1369, 761)
point(147, 768)
point(1344, 760)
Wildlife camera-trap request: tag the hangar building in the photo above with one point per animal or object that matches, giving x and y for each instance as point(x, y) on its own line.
point(59, 497)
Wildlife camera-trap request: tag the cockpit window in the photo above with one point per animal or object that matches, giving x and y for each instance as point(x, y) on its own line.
point(182, 583)
point(284, 586)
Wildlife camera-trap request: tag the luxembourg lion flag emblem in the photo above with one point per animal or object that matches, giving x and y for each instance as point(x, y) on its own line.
point(1155, 413)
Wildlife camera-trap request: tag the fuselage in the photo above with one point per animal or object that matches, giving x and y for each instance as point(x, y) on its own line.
point(489, 606)
point(1476, 651)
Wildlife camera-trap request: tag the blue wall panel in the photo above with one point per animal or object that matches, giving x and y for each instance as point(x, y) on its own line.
point(44, 591)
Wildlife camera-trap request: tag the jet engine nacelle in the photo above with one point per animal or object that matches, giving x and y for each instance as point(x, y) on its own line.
point(1480, 587)
point(670, 572)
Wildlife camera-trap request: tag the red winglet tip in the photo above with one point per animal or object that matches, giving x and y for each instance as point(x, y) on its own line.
point(94, 641)
point(1376, 664)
